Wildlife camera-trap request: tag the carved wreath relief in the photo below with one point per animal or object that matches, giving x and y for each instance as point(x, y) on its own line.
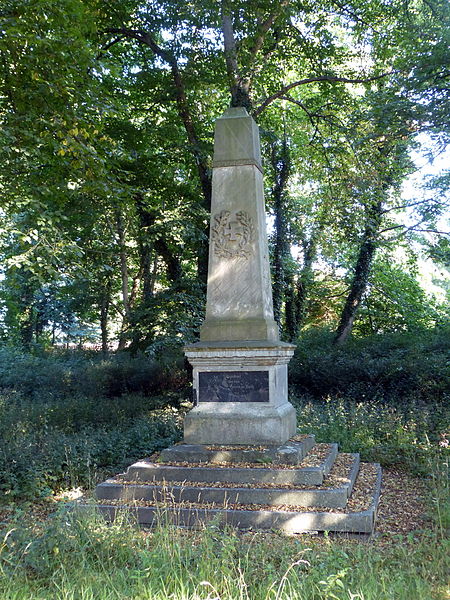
point(233, 234)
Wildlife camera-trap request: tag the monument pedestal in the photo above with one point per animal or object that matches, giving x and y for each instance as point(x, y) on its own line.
point(240, 393)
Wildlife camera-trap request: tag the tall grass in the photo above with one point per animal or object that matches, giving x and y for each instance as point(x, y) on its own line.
point(79, 557)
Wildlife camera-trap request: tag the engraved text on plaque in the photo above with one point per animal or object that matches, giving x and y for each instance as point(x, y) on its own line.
point(234, 386)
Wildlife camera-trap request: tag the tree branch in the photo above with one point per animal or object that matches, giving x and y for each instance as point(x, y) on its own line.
point(409, 229)
point(183, 106)
point(145, 38)
point(326, 78)
point(229, 48)
point(354, 16)
point(301, 105)
point(409, 205)
point(434, 231)
point(391, 228)
point(110, 44)
point(265, 28)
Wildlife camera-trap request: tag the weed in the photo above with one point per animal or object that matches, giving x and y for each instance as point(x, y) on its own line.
point(78, 555)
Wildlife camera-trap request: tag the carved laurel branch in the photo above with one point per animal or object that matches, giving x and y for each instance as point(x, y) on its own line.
point(222, 245)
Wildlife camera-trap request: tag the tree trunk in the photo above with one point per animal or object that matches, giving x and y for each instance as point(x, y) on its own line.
point(124, 279)
point(105, 301)
point(290, 313)
point(239, 85)
point(361, 274)
point(27, 311)
point(123, 264)
point(305, 278)
point(281, 164)
point(145, 250)
point(147, 218)
point(240, 80)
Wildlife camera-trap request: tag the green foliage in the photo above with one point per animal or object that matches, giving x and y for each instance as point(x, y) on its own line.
point(168, 320)
point(79, 556)
point(107, 115)
point(68, 374)
point(384, 396)
point(386, 367)
point(408, 433)
point(46, 449)
point(67, 419)
point(395, 301)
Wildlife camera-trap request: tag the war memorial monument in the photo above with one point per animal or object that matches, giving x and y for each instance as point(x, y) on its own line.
point(241, 461)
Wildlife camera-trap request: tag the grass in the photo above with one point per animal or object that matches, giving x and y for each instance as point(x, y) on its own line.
point(75, 556)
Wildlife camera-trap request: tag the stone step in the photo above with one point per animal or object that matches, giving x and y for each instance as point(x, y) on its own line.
point(358, 516)
point(290, 453)
point(147, 470)
point(333, 494)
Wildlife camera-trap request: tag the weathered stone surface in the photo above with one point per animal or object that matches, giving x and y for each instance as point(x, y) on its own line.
point(291, 453)
point(239, 294)
point(240, 388)
point(330, 498)
point(231, 424)
point(288, 521)
point(240, 422)
point(143, 471)
point(236, 140)
point(314, 476)
point(161, 490)
point(240, 367)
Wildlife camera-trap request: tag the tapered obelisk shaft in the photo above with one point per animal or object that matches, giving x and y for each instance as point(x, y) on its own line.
point(239, 298)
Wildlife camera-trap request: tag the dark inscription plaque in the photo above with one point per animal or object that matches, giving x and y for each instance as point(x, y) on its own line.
point(234, 386)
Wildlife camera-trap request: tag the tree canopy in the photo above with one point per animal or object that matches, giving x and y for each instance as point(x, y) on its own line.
point(107, 113)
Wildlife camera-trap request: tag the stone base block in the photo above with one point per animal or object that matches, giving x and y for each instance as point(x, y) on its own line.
point(240, 389)
point(238, 329)
point(239, 424)
point(282, 475)
point(326, 490)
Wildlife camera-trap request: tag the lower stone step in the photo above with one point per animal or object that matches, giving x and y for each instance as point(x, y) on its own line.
point(358, 516)
point(333, 494)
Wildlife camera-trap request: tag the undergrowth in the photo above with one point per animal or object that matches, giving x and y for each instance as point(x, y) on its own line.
point(78, 557)
point(409, 433)
point(392, 367)
point(62, 431)
point(65, 374)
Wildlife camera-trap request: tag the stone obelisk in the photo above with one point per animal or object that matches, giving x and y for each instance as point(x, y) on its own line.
point(239, 365)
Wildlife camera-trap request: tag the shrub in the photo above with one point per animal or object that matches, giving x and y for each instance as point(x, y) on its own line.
point(408, 433)
point(42, 453)
point(65, 374)
point(70, 418)
point(387, 367)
